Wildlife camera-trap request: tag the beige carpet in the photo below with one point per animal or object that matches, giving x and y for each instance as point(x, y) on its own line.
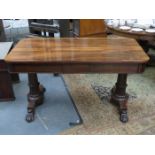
point(101, 117)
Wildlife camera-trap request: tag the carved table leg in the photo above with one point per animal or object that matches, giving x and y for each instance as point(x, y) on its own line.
point(120, 97)
point(35, 96)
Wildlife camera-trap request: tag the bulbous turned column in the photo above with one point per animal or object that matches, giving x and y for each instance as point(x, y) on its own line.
point(120, 97)
point(35, 96)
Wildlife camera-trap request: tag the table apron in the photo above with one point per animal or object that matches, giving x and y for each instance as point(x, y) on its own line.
point(76, 68)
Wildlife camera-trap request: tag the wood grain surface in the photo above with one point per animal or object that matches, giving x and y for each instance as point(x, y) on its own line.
point(77, 50)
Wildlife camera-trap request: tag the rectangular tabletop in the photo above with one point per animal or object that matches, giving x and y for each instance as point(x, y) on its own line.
point(76, 52)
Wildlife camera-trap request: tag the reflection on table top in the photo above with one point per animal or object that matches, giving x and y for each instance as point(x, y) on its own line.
point(77, 50)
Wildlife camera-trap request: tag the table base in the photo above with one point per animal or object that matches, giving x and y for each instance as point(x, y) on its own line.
point(36, 96)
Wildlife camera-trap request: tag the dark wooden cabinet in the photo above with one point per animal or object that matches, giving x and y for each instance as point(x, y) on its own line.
point(6, 89)
point(89, 27)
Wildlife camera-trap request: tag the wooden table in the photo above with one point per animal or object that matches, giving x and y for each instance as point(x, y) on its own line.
point(77, 55)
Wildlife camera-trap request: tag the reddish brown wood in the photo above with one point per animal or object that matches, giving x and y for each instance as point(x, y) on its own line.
point(6, 89)
point(77, 55)
point(89, 27)
point(120, 97)
point(77, 68)
point(35, 96)
point(145, 39)
point(77, 51)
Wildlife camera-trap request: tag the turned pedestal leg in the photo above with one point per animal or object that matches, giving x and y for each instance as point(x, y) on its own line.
point(120, 97)
point(35, 96)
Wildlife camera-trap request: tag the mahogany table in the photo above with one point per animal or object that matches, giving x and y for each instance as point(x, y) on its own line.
point(77, 55)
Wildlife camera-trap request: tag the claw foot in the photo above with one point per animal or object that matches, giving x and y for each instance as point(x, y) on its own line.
point(123, 116)
point(30, 116)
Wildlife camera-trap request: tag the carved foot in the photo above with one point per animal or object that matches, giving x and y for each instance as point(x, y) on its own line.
point(124, 116)
point(120, 97)
point(34, 101)
point(35, 96)
point(121, 103)
point(30, 115)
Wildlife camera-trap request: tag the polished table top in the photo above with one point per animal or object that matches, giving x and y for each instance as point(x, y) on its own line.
point(77, 50)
